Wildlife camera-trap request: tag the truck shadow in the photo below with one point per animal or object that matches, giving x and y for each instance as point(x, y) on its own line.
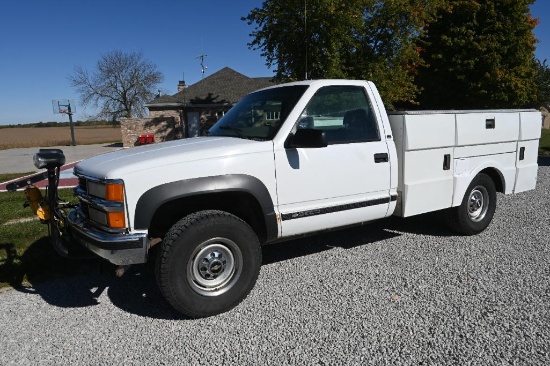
point(428, 224)
point(87, 283)
point(135, 292)
point(38, 262)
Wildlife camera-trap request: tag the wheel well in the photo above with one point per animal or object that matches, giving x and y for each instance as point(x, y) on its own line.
point(240, 204)
point(497, 178)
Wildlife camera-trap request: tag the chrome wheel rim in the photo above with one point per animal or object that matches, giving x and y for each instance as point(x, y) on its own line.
point(214, 267)
point(478, 203)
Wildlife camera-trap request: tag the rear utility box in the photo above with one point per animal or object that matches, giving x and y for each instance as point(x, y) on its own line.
point(439, 152)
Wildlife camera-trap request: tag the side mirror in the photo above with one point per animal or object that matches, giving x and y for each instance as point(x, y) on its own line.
point(308, 137)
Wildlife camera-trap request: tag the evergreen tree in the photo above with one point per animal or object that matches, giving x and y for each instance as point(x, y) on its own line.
point(543, 84)
point(480, 54)
point(357, 39)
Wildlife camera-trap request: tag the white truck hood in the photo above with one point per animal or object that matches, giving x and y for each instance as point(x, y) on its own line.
point(119, 163)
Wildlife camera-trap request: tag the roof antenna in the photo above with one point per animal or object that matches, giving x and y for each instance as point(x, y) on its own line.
point(203, 66)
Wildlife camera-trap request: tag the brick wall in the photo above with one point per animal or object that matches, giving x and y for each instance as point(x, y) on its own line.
point(164, 128)
point(175, 113)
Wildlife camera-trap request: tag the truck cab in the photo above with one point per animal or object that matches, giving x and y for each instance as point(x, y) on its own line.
point(289, 160)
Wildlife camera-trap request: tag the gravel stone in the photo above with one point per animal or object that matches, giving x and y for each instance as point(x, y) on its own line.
point(395, 292)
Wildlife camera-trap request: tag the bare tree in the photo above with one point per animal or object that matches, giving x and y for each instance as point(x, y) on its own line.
point(119, 86)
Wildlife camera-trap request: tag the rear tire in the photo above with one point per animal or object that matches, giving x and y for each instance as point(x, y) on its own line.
point(208, 263)
point(477, 208)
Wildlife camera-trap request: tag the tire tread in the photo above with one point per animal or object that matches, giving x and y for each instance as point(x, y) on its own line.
point(169, 243)
point(456, 218)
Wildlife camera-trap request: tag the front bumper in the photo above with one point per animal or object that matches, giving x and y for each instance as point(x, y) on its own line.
point(120, 249)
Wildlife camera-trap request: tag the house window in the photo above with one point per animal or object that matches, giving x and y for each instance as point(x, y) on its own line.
point(272, 115)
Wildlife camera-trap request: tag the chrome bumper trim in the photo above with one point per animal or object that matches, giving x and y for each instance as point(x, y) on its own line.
point(120, 249)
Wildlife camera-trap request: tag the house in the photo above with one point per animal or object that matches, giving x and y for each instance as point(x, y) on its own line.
point(193, 109)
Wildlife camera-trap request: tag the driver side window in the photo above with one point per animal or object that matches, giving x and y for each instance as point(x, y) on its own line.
point(343, 112)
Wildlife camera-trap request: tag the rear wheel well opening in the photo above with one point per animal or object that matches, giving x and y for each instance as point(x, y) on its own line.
point(496, 177)
point(241, 204)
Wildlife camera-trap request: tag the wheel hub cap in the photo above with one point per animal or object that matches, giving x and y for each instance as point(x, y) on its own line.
point(214, 267)
point(478, 203)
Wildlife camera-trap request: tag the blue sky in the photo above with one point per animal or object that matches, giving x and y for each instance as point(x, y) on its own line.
point(42, 41)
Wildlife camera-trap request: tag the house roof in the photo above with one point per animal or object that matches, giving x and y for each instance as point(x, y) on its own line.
point(226, 87)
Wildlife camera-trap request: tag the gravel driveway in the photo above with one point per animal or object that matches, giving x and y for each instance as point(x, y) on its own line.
point(396, 292)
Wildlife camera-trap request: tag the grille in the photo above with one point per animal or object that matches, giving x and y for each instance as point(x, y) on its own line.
point(85, 208)
point(82, 184)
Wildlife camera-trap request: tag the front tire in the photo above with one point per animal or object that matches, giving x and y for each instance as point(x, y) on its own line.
point(208, 263)
point(477, 208)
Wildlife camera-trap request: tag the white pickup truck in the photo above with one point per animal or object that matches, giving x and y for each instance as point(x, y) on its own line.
point(288, 160)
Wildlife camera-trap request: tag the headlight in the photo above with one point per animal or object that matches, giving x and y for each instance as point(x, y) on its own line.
point(106, 191)
point(48, 158)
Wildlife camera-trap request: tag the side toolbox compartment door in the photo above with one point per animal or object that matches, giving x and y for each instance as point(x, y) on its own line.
point(426, 153)
point(527, 152)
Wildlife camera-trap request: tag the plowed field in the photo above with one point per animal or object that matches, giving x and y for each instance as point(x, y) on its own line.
point(57, 136)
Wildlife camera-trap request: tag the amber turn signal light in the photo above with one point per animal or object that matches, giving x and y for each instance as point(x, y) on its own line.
point(116, 220)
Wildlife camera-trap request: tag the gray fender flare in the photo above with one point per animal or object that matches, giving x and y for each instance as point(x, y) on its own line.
point(155, 197)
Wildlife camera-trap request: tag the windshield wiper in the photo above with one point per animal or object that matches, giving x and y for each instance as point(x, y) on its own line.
point(238, 130)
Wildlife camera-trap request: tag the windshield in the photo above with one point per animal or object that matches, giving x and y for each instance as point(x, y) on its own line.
point(259, 115)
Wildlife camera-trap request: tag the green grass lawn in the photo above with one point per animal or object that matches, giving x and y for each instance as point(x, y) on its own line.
point(26, 253)
point(9, 176)
point(544, 143)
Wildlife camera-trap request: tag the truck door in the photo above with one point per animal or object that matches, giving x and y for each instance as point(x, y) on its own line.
point(344, 183)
